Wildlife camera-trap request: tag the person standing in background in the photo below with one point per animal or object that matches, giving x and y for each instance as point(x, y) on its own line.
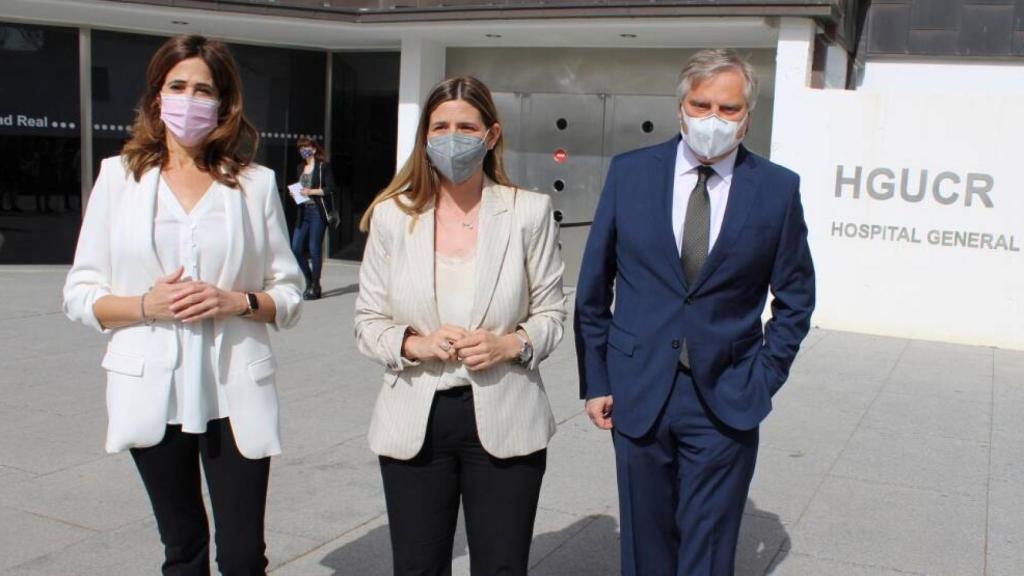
point(317, 181)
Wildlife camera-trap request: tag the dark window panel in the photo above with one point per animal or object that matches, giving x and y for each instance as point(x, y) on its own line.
point(1019, 18)
point(887, 33)
point(986, 30)
point(364, 100)
point(1018, 43)
point(40, 152)
point(934, 42)
point(989, 2)
point(935, 15)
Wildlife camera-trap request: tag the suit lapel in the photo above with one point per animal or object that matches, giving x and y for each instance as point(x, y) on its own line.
point(742, 194)
point(664, 183)
point(142, 195)
point(492, 241)
point(420, 263)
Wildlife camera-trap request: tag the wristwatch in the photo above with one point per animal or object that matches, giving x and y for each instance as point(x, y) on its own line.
point(526, 349)
point(253, 302)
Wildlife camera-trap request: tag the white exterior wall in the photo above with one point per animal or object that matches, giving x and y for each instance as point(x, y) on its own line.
point(943, 265)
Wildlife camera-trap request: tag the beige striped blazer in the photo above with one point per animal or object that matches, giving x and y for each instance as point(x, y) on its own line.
point(518, 283)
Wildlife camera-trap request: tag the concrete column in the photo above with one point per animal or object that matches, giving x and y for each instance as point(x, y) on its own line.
point(422, 67)
point(793, 63)
point(794, 54)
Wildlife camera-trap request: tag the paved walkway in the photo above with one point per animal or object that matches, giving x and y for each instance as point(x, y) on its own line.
point(883, 457)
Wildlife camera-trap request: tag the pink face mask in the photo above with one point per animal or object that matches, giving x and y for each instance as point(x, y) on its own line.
point(190, 119)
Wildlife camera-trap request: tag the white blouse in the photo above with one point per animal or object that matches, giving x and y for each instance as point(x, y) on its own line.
point(454, 283)
point(196, 241)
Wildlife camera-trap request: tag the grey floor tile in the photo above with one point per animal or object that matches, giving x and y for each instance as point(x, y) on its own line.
point(1009, 375)
point(947, 465)
point(25, 536)
point(365, 550)
point(764, 539)
point(922, 414)
point(1005, 529)
point(794, 564)
point(578, 451)
point(322, 495)
point(589, 547)
point(1007, 456)
point(917, 531)
point(103, 495)
point(937, 369)
point(786, 480)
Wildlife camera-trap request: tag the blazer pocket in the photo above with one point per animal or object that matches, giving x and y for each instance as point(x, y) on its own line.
point(621, 340)
point(745, 347)
point(262, 370)
point(126, 364)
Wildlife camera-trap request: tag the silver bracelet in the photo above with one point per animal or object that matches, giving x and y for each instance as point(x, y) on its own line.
point(142, 310)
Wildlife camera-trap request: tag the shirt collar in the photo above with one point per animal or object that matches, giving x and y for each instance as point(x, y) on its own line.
point(686, 161)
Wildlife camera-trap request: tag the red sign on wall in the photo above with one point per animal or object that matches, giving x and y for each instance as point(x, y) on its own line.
point(560, 156)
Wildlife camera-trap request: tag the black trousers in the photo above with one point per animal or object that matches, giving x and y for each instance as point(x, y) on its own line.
point(499, 497)
point(238, 496)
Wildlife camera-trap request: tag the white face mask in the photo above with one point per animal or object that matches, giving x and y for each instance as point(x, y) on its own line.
point(710, 136)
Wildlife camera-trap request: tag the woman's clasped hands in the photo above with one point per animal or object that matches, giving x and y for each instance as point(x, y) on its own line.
point(477, 349)
point(174, 298)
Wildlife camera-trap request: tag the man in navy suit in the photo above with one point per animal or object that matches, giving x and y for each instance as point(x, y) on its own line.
point(689, 237)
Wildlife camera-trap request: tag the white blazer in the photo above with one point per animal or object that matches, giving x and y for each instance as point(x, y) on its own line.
point(116, 255)
point(518, 283)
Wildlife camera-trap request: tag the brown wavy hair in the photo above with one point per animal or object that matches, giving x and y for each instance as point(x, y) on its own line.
point(417, 182)
point(232, 144)
point(307, 142)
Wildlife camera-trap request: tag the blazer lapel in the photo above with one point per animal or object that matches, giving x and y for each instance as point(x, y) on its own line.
point(742, 194)
point(492, 241)
point(143, 195)
point(664, 184)
point(234, 230)
point(420, 263)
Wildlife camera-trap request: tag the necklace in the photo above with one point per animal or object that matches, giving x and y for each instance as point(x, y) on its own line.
point(466, 222)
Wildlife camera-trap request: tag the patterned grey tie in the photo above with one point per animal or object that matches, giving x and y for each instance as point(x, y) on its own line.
point(696, 236)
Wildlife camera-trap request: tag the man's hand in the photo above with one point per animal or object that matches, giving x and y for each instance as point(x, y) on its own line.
point(600, 411)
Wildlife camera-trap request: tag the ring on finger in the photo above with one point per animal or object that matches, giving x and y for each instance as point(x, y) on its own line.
point(446, 345)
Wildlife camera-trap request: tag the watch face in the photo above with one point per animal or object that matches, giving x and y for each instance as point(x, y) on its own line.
point(254, 302)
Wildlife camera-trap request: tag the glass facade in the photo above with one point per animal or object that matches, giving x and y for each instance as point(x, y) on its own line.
point(285, 98)
point(284, 93)
point(364, 133)
point(40, 189)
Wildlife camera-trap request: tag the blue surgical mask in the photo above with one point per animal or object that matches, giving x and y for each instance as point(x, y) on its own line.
point(306, 153)
point(457, 156)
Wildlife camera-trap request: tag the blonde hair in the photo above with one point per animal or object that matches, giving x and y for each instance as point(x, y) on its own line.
point(415, 186)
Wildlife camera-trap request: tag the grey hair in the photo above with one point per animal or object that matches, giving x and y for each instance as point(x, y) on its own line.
point(708, 63)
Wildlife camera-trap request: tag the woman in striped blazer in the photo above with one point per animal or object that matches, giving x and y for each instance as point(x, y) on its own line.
point(460, 298)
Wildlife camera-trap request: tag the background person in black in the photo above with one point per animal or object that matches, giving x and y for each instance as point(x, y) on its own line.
point(308, 238)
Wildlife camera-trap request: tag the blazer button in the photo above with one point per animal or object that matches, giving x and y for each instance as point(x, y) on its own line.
point(675, 344)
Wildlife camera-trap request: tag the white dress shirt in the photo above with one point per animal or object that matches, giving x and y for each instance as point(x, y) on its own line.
point(718, 191)
point(194, 240)
point(455, 277)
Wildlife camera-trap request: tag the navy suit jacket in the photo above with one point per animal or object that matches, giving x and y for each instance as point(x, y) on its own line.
point(633, 352)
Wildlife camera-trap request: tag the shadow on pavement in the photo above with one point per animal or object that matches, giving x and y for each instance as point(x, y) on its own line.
point(764, 542)
point(350, 289)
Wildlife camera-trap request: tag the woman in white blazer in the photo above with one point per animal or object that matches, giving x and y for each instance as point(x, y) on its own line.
point(182, 261)
point(460, 298)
